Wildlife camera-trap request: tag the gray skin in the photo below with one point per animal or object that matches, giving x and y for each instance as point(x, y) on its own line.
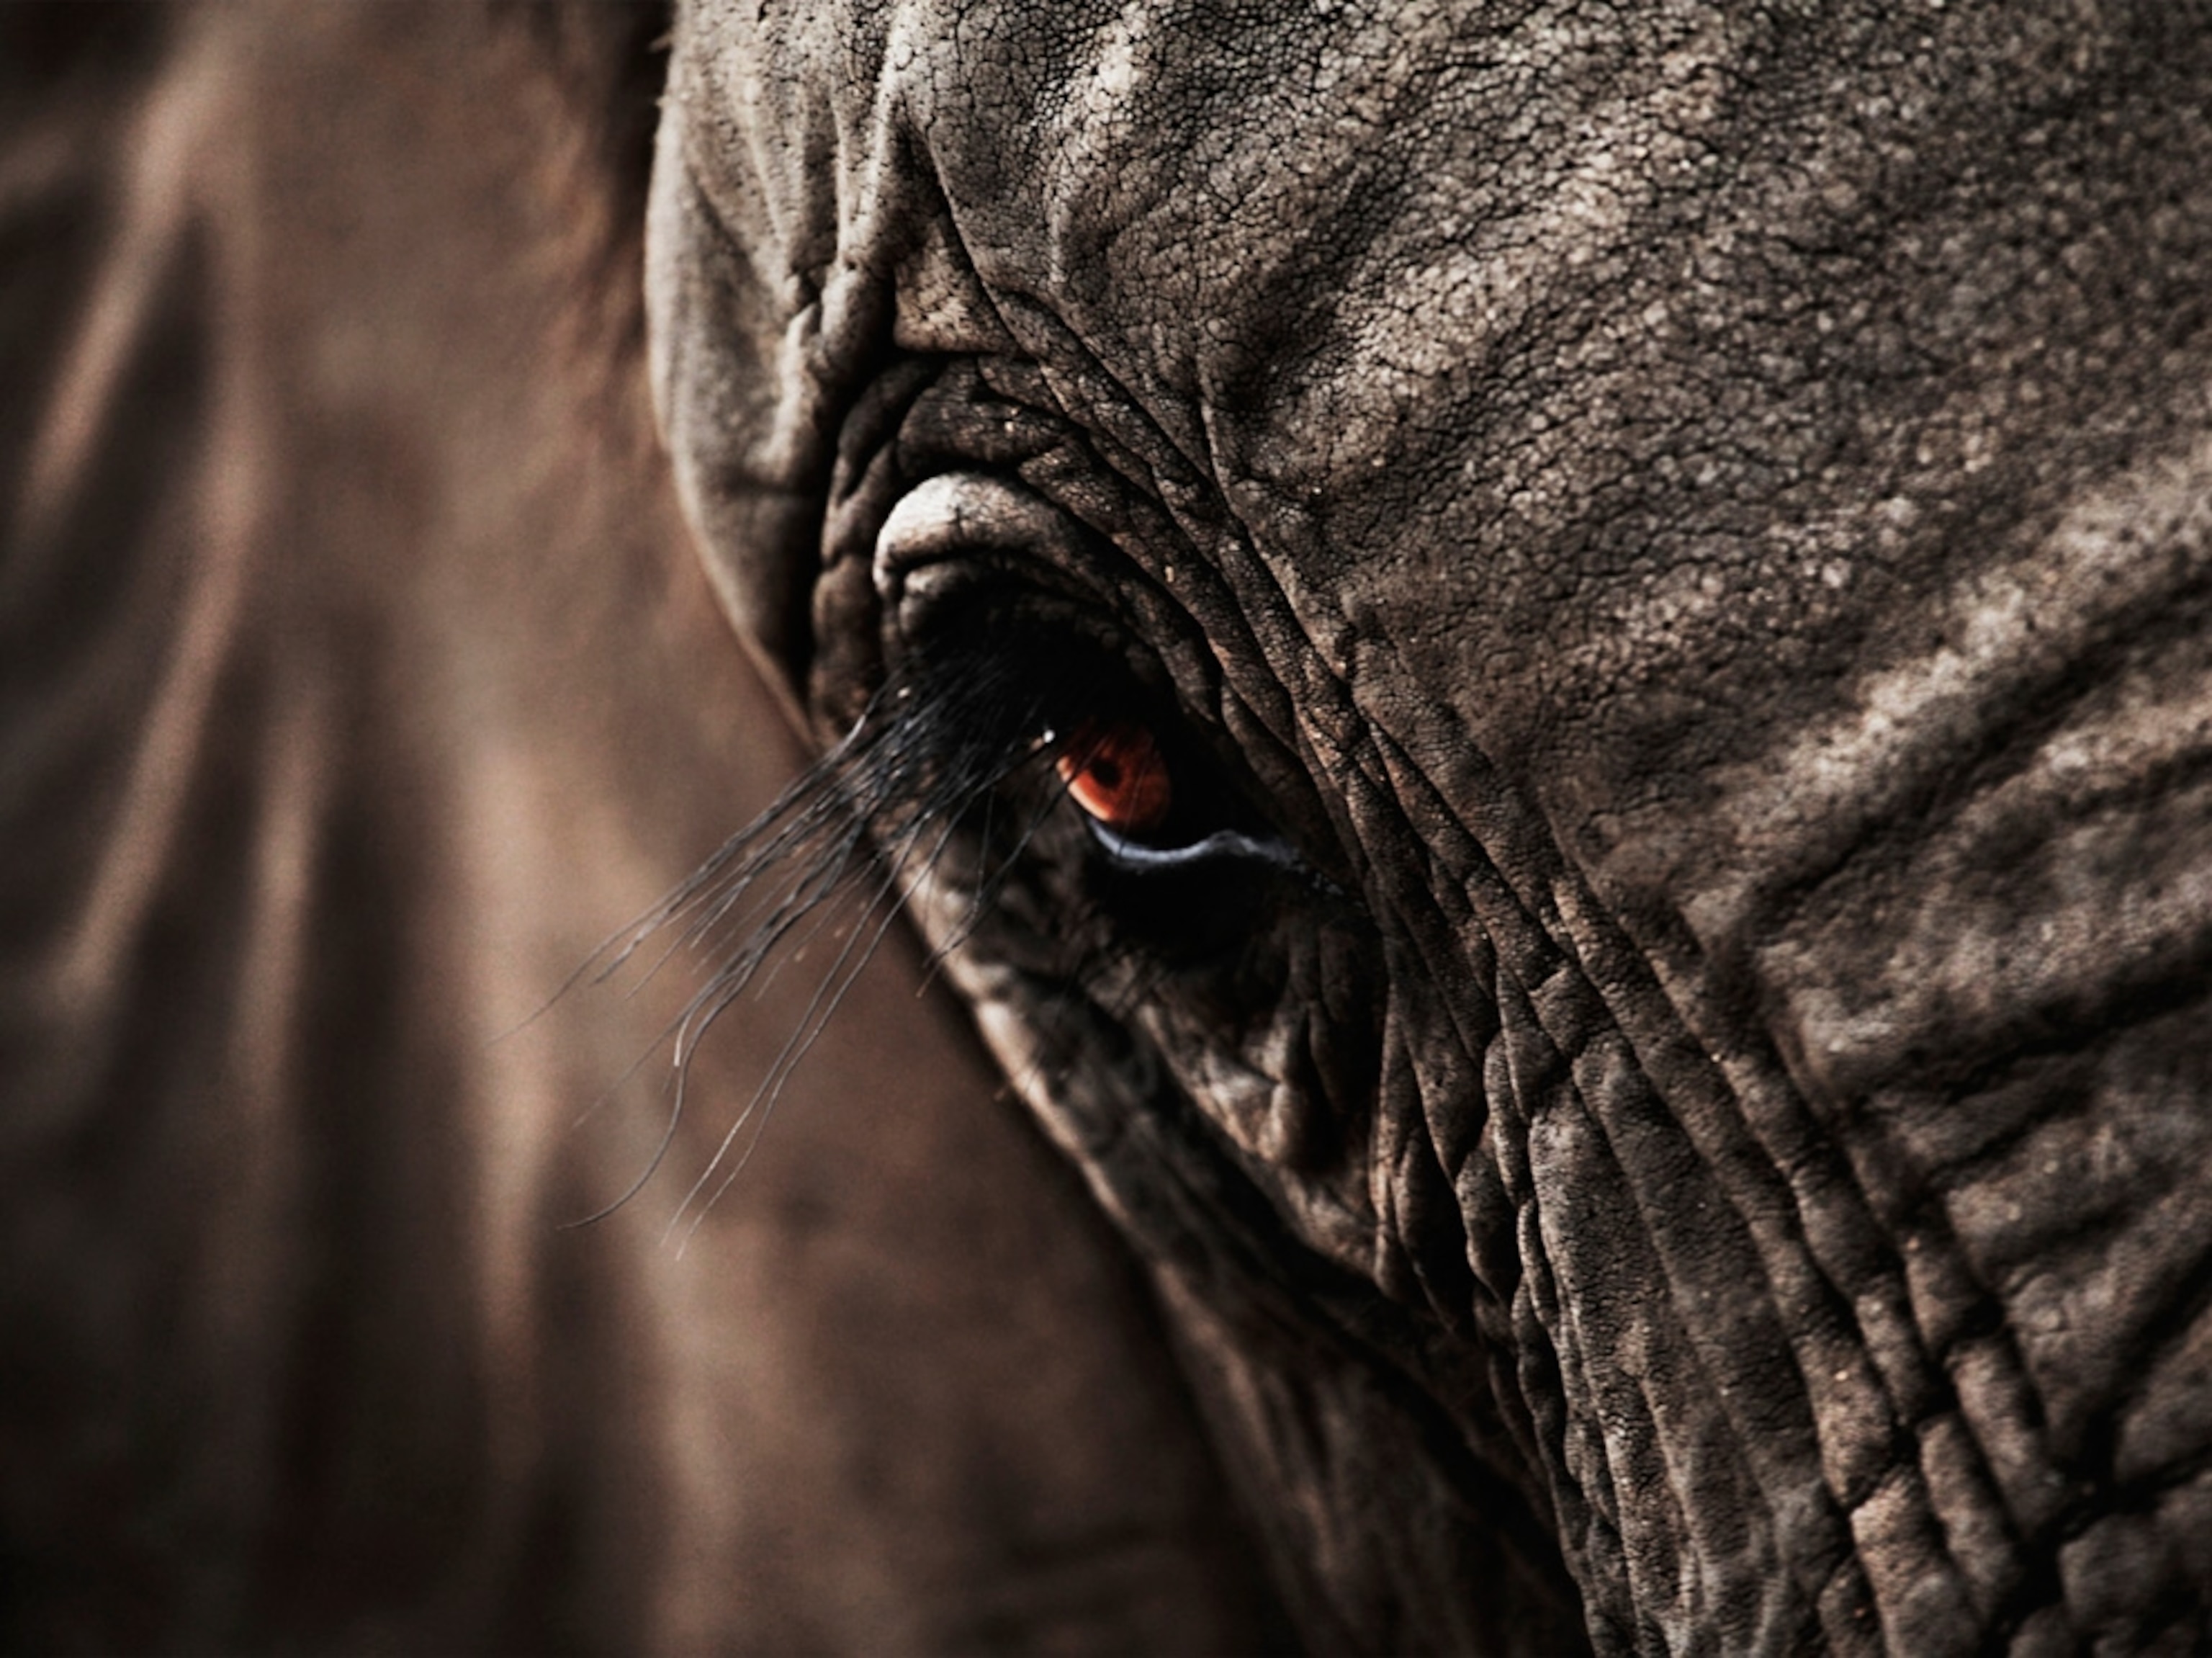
point(1690, 524)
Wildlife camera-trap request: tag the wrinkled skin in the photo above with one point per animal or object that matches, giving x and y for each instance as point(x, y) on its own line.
point(1689, 526)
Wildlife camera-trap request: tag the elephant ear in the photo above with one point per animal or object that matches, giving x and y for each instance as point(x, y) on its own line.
point(357, 678)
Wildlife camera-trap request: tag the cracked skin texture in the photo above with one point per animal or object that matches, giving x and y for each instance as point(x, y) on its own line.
point(1696, 518)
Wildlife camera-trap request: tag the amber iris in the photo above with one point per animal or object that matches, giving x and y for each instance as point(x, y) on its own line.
point(1114, 771)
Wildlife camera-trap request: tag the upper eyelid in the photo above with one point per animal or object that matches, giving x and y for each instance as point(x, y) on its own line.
point(940, 530)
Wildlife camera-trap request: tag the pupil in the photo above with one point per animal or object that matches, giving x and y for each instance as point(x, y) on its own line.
point(1114, 772)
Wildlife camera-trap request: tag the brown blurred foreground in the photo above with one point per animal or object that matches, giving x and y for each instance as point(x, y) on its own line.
point(355, 682)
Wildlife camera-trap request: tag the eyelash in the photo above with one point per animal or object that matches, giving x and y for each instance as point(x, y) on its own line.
point(942, 746)
point(935, 751)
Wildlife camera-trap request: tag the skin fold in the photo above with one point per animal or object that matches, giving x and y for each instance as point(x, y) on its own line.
point(1683, 532)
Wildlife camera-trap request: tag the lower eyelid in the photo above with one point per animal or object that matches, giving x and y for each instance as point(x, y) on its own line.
point(1222, 843)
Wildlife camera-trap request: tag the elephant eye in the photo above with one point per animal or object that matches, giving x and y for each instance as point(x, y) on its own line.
point(1001, 695)
point(1114, 772)
point(1151, 803)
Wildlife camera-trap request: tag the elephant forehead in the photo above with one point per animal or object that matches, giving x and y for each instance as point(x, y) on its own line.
point(1299, 219)
point(1590, 350)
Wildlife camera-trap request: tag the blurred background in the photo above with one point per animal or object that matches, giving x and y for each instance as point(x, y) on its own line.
point(356, 683)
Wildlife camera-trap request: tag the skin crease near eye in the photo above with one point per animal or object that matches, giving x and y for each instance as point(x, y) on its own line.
point(1116, 772)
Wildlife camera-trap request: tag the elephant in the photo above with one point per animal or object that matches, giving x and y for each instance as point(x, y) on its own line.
point(1538, 672)
point(1543, 672)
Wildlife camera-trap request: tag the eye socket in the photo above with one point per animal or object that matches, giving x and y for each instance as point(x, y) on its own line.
point(1114, 772)
point(1002, 674)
